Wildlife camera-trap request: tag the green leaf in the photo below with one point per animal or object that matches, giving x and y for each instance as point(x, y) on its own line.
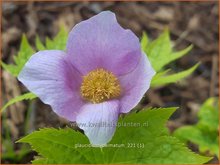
point(26, 96)
point(24, 54)
point(205, 132)
point(139, 138)
point(40, 161)
point(59, 145)
point(144, 41)
point(209, 113)
point(10, 68)
point(59, 41)
point(159, 51)
point(162, 79)
point(25, 51)
point(179, 54)
point(151, 120)
point(160, 54)
point(205, 139)
point(39, 44)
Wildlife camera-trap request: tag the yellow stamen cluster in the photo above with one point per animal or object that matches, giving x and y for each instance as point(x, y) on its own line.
point(100, 85)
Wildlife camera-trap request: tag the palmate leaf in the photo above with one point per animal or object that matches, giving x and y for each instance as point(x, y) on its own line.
point(205, 132)
point(146, 142)
point(160, 54)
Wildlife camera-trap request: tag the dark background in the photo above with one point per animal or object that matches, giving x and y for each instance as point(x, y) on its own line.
point(189, 23)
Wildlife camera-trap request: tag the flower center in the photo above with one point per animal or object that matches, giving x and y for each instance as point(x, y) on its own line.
point(100, 85)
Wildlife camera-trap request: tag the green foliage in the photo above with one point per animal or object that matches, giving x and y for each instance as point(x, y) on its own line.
point(161, 78)
point(205, 132)
point(209, 114)
point(58, 42)
point(147, 141)
point(22, 57)
point(39, 44)
point(25, 52)
point(26, 96)
point(160, 54)
point(144, 41)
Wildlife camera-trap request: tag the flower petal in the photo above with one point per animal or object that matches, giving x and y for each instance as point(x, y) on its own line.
point(99, 121)
point(100, 42)
point(48, 75)
point(135, 84)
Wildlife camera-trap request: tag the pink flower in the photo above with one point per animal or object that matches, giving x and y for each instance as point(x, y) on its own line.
point(102, 73)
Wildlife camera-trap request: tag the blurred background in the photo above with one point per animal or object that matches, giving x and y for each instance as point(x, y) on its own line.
point(189, 23)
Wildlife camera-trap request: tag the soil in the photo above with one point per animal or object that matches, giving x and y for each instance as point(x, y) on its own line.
point(189, 23)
